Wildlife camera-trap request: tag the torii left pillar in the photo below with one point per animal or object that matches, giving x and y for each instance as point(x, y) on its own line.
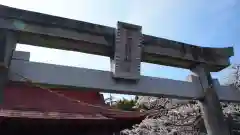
point(8, 42)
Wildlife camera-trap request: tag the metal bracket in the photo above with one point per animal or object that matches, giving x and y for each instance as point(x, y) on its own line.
point(127, 52)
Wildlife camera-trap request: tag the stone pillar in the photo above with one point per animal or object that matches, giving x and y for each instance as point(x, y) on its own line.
point(210, 104)
point(8, 42)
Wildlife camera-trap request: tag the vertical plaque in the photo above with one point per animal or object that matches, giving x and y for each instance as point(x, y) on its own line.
point(127, 52)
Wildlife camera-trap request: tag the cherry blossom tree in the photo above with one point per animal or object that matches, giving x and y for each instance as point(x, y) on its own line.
point(178, 117)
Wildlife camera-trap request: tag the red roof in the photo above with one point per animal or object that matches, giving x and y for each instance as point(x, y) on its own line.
point(26, 101)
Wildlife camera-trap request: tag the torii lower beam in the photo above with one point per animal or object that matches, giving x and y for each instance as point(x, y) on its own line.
point(64, 76)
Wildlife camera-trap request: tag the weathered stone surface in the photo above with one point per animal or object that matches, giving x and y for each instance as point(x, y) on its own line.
point(61, 33)
point(127, 52)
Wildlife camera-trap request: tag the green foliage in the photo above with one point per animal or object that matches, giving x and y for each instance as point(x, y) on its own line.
point(125, 104)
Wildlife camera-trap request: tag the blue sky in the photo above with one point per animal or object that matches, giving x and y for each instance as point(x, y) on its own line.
point(212, 23)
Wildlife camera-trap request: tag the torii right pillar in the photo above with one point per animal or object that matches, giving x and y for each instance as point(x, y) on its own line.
point(210, 104)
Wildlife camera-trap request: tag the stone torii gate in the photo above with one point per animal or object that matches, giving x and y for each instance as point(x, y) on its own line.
point(127, 47)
